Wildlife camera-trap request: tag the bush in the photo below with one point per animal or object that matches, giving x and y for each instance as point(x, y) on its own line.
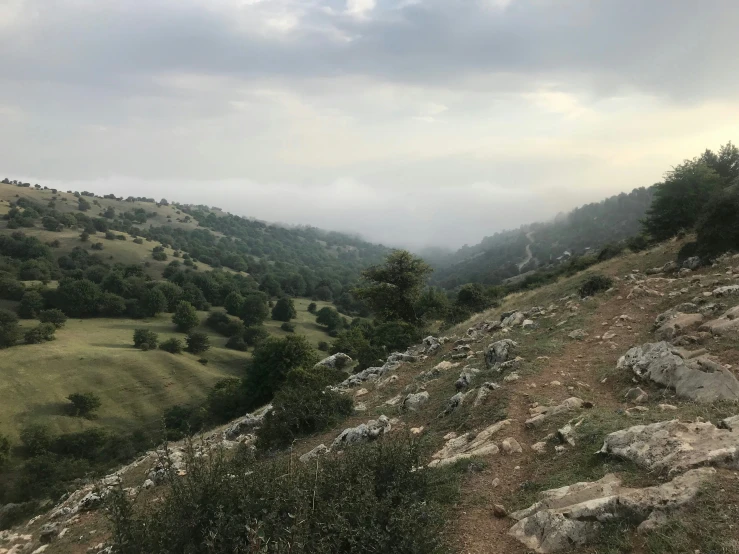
point(185, 317)
point(10, 331)
point(4, 450)
point(159, 256)
point(43, 332)
point(138, 240)
point(11, 289)
point(594, 284)
point(197, 342)
point(84, 236)
point(255, 334)
point(237, 342)
point(284, 310)
point(31, 305)
point(688, 250)
point(53, 316)
point(610, 251)
point(97, 246)
point(35, 439)
point(226, 400)
point(312, 307)
point(145, 337)
point(288, 327)
point(173, 346)
point(718, 226)
point(371, 499)
point(637, 243)
point(83, 404)
point(323, 346)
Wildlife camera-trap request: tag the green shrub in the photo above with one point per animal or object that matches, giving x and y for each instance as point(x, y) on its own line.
point(138, 240)
point(35, 439)
point(31, 305)
point(43, 332)
point(11, 289)
point(10, 331)
point(197, 342)
point(159, 256)
point(145, 337)
point(595, 284)
point(288, 327)
point(4, 450)
point(688, 250)
point(226, 400)
point(185, 317)
point(53, 316)
point(312, 307)
point(372, 499)
point(97, 246)
point(83, 404)
point(610, 251)
point(284, 310)
point(323, 346)
point(637, 243)
point(173, 346)
point(237, 342)
point(254, 334)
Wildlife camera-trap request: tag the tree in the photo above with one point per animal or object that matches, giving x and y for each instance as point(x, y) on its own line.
point(329, 317)
point(271, 362)
point(284, 310)
point(84, 236)
point(10, 331)
point(233, 303)
point(255, 334)
point(153, 302)
point(197, 342)
point(112, 305)
point(254, 310)
point(83, 404)
point(145, 339)
point(679, 200)
point(725, 163)
point(271, 286)
point(53, 316)
point(392, 289)
point(43, 332)
point(312, 307)
point(31, 305)
point(173, 346)
point(185, 317)
point(718, 227)
point(78, 298)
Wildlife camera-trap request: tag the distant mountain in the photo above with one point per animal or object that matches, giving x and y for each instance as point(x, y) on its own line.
point(510, 253)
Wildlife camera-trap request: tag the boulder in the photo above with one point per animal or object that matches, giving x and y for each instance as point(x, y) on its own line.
point(467, 446)
point(636, 395)
point(677, 324)
point(699, 379)
point(728, 290)
point(578, 334)
point(364, 432)
point(727, 324)
point(483, 392)
point(511, 446)
point(431, 345)
point(573, 516)
point(413, 402)
point(694, 262)
point(48, 532)
point(246, 425)
point(527, 324)
point(499, 352)
point(540, 414)
point(318, 451)
point(514, 320)
point(335, 361)
point(675, 446)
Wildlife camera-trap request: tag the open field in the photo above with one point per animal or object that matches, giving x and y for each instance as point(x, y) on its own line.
point(305, 323)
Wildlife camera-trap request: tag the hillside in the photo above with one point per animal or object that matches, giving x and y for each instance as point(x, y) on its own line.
point(530, 418)
point(506, 254)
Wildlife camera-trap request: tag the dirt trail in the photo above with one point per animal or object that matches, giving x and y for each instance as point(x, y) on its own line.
point(530, 237)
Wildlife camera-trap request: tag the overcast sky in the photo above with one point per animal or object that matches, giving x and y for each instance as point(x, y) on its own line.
point(415, 122)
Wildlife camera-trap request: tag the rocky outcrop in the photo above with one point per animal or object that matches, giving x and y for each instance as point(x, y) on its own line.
point(676, 324)
point(578, 334)
point(365, 432)
point(335, 361)
point(514, 320)
point(573, 516)
point(729, 290)
point(414, 401)
point(317, 452)
point(726, 324)
point(467, 446)
point(499, 352)
point(699, 379)
point(247, 424)
point(692, 263)
point(674, 446)
point(540, 414)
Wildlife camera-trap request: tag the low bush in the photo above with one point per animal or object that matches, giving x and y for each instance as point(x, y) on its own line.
point(146, 337)
point(173, 346)
point(237, 343)
point(197, 342)
point(41, 333)
point(371, 499)
point(53, 316)
point(83, 404)
point(594, 284)
point(288, 327)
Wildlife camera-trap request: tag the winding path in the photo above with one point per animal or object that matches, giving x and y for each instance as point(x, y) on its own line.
point(530, 236)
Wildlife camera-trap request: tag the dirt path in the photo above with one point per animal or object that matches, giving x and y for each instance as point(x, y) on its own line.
point(530, 237)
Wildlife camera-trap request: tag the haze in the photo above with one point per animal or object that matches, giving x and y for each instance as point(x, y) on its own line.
point(426, 122)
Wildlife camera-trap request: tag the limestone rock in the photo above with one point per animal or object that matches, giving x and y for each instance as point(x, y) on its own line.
point(578, 334)
point(483, 392)
point(540, 414)
point(527, 324)
point(677, 324)
point(511, 446)
point(514, 320)
point(499, 352)
point(466, 446)
point(698, 379)
point(675, 446)
point(247, 424)
point(573, 516)
point(413, 402)
point(728, 290)
point(335, 361)
point(727, 324)
point(637, 395)
point(364, 432)
point(320, 450)
point(694, 262)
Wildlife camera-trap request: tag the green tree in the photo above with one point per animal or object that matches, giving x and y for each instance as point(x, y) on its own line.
point(329, 317)
point(78, 298)
point(173, 346)
point(284, 310)
point(153, 302)
point(31, 305)
point(36, 439)
point(680, 198)
point(312, 307)
point(43, 332)
point(233, 303)
point(197, 342)
point(10, 331)
point(83, 404)
point(53, 316)
point(273, 359)
point(185, 317)
point(255, 334)
point(718, 227)
point(392, 289)
point(254, 310)
point(145, 339)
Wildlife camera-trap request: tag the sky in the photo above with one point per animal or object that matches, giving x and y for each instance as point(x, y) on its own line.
point(410, 122)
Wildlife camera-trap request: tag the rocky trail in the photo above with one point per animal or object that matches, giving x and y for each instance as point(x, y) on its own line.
point(529, 255)
point(569, 414)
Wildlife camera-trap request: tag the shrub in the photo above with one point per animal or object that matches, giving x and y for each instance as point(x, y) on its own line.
point(197, 342)
point(371, 499)
point(312, 307)
point(145, 336)
point(11, 289)
point(255, 334)
point(329, 317)
point(159, 256)
point(84, 236)
point(226, 400)
point(610, 251)
point(284, 310)
point(53, 316)
point(237, 342)
point(637, 243)
point(595, 284)
point(83, 404)
point(203, 361)
point(31, 305)
point(688, 250)
point(43, 332)
point(718, 226)
point(4, 450)
point(288, 327)
point(35, 439)
point(138, 240)
point(173, 346)
point(185, 317)
point(323, 346)
point(10, 331)
point(97, 246)
point(112, 305)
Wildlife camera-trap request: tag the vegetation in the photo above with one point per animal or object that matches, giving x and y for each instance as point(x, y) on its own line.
point(83, 404)
point(54, 316)
point(145, 339)
point(173, 346)
point(284, 310)
point(197, 342)
point(594, 284)
point(44, 332)
point(185, 317)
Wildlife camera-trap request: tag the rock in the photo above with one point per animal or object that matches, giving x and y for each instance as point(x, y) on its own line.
point(401, 357)
point(578, 334)
point(394, 401)
point(677, 324)
point(667, 407)
point(699, 379)
point(499, 511)
point(369, 374)
point(499, 352)
point(674, 446)
point(40, 549)
point(90, 501)
point(637, 395)
point(539, 447)
point(465, 446)
point(727, 324)
point(48, 532)
point(511, 377)
point(566, 434)
point(572, 516)
point(148, 484)
point(514, 320)
point(669, 267)
point(729, 423)
point(608, 335)
point(364, 432)
point(483, 392)
point(511, 446)
point(728, 290)
point(335, 361)
point(443, 366)
point(527, 324)
point(247, 424)
point(361, 392)
point(417, 430)
point(693, 263)
point(317, 452)
point(413, 402)
point(541, 413)
point(454, 402)
point(431, 345)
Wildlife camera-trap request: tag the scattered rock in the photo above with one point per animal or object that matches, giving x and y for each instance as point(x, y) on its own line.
point(48, 532)
point(677, 324)
point(541, 413)
point(693, 263)
point(247, 424)
point(499, 511)
point(573, 516)
point(499, 352)
point(727, 324)
point(667, 407)
point(466, 446)
point(511, 446)
point(483, 392)
point(608, 335)
point(527, 324)
point(335, 361)
point(514, 320)
point(539, 447)
point(637, 395)
point(578, 334)
point(699, 379)
point(413, 402)
point(318, 451)
point(361, 392)
point(364, 432)
point(728, 290)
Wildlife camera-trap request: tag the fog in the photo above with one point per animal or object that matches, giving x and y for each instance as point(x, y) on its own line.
point(412, 122)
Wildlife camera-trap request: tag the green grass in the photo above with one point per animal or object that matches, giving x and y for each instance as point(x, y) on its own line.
point(305, 323)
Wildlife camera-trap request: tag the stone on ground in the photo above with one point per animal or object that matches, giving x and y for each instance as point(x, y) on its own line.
point(467, 446)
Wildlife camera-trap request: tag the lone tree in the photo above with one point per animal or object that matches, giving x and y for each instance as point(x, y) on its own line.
point(284, 310)
point(185, 317)
point(391, 290)
point(197, 342)
point(83, 404)
point(145, 339)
